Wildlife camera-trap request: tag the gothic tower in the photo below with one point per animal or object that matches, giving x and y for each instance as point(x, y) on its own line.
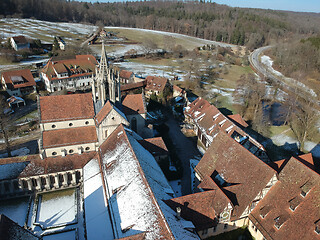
point(106, 83)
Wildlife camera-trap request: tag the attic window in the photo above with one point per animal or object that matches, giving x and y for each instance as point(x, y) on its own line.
point(86, 123)
point(54, 153)
point(87, 148)
point(264, 211)
point(70, 124)
point(317, 227)
point(53, 126)
point(306, 188)
point(294, 203)
point(222, 122)
point(279, 221)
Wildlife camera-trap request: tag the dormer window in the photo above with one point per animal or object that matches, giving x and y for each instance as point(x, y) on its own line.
point(305, 188)
point(317, 227)
point(264, 211)
point(294, 203)
point(279, 221)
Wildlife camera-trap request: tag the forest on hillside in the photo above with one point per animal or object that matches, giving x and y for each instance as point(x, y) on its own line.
point(250, 27)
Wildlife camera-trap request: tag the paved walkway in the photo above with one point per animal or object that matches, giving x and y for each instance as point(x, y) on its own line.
point(185, 150)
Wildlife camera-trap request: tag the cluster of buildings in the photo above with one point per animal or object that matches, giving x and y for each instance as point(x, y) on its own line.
point(98, 168)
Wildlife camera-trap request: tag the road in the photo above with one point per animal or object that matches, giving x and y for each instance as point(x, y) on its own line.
point(281, 81)
point(185, 150)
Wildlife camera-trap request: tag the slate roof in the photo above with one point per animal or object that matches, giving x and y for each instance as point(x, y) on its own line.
point(24, 76)
point(295, 177)
point(133, 104)
point(66, 107)
point(69, 136)
point(81, 65)
point(244, 174)
point(156, 83)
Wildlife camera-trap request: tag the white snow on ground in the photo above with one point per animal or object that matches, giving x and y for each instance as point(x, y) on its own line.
point(56, 210)
point(70, 235)
point(266, 60)
point(312, 147)
point(176, 186)
point(98, 223)
point(15, 209)
point(145, 70)
point(292, 144)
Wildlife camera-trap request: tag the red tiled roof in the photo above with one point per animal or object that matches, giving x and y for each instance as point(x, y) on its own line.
point(26, 158)
point(238, 119)
point(69, 136)
point(66, 107)
point(133, 104)
point(155, 146)
point(156, 83)
point(132, 86)
point(300, 223)
point(125, 74)
point(139, 236)
point(103, 112)
point(82, 65)
point(57, 164)
point(246, 173)
point(20, 39)
point(25, 75)
point(177, 88)
point(200, 208)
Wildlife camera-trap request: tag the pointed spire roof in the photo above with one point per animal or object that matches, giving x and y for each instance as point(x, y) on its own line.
point(103, 60)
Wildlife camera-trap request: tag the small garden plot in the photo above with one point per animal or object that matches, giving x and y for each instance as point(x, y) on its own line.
point(70, 235)
point(57, 208)
point(15, 209)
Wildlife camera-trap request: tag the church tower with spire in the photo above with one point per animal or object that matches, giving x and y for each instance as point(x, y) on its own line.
point(106, 83)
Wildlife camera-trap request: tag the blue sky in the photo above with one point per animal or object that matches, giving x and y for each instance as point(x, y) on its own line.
point(290, 5)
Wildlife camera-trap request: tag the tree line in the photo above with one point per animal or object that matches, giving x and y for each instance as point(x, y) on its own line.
point(250, 27)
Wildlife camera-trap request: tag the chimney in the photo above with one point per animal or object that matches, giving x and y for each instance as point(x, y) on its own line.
point(178, 212)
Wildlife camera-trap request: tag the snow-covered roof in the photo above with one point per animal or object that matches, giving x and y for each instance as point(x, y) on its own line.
point(98, 223)
point(135, 196)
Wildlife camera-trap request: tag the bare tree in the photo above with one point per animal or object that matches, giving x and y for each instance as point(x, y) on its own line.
point(303, 118)
point(149, 46)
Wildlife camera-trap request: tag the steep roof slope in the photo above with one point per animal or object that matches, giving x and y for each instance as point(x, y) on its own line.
point(133, 104)
point(291, 209)
point(239, 173)
point(134, 181)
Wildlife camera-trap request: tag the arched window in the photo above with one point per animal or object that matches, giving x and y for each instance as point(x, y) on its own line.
point(134, 124)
